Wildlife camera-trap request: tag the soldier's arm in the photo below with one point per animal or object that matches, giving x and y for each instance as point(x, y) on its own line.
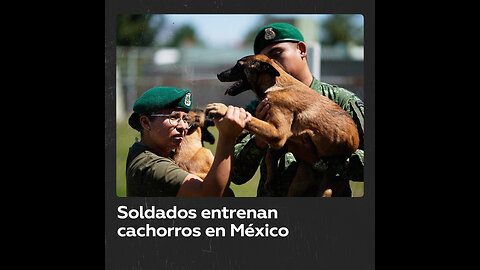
point(350, 168)
point(353, 168)
point(249, 152)
point(246, 159)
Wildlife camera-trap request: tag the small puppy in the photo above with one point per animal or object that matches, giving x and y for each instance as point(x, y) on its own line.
point(297, 113)
point(191, 155)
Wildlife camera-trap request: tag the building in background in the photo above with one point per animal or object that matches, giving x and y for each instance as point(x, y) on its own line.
point(194, 66)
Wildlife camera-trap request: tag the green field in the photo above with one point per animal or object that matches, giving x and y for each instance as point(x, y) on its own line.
point(126, 137)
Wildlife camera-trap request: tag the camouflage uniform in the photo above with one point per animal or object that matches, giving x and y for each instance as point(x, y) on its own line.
point(248, 156)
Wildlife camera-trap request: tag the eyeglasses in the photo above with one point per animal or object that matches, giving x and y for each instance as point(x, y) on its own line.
point(173, 119)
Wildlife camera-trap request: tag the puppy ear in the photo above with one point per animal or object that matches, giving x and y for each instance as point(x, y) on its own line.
point(208, 123)
point(206, 135)
point(266, 67)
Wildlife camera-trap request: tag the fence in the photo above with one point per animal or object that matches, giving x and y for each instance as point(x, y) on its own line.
point(141, 68)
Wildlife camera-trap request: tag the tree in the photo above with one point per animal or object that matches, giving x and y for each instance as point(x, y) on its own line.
point(341, 29)
point(184, 35)
point(265, 20)
point(136, 30)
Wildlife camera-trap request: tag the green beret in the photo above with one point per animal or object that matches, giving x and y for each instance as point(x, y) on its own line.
point(161, 97)
point(274, 33)
point(158, 98)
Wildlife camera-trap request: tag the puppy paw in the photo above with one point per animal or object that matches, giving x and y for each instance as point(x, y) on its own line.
point(215, 110)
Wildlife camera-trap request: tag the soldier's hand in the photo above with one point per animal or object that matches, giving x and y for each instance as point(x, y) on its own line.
point(233, 122)
point(327, 193)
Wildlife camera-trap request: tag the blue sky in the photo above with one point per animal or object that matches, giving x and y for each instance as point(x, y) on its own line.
point(225, 30)
point(218, 30)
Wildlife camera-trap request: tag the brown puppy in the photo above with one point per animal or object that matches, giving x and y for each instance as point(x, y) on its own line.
point(191, 155)
point(297, 113)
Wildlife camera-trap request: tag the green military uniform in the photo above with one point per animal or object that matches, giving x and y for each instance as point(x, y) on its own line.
point(151, 175)
point(248, 156)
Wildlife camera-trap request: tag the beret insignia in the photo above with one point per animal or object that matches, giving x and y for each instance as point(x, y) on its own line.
point(269, 34)
point(276, 32)
point(188, 99)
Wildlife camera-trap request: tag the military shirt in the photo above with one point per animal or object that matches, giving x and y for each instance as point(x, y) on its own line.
point(151, 175)
point(247, 156)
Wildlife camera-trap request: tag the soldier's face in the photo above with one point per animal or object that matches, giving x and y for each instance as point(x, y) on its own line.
point(165, 135)
point(291, 55)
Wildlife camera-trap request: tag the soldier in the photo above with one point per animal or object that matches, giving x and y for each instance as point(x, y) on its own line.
point(284, 43)
point(160, 115)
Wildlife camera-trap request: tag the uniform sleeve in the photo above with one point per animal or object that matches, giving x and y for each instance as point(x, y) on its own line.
point(246, 159)
point(356, 110)
point(355, 164)
point(352, 169)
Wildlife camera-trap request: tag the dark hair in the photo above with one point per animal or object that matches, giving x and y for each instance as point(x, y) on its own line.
point(134, 121)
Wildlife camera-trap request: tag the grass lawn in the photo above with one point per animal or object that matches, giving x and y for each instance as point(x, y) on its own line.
point(126, 137)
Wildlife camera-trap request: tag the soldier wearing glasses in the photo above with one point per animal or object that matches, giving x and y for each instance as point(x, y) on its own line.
point(160, 115)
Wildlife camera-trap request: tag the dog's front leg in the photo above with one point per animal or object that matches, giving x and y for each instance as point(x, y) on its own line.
point(275, 135)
